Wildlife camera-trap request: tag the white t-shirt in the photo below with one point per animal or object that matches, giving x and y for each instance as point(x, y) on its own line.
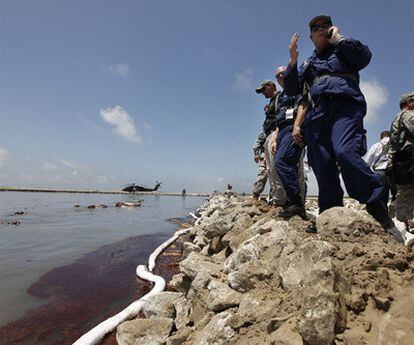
point(377, 156)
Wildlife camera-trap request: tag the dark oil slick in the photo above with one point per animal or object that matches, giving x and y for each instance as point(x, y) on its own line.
point(95, 287)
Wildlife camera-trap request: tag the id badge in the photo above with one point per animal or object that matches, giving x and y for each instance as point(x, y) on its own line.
point(290, 113)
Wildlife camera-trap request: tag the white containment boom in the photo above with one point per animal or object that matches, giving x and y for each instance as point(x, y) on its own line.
point(96, 334)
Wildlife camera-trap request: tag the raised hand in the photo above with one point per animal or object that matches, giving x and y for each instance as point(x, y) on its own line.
point(334, 36)
point(293, 50)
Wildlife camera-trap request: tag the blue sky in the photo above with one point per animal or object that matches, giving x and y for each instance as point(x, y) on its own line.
point(97, 94)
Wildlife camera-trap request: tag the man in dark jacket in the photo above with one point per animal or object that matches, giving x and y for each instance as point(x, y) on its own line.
point(333, 128)
point(289, 152)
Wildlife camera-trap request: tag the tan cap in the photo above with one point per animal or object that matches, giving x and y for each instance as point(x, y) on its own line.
point(260, 88)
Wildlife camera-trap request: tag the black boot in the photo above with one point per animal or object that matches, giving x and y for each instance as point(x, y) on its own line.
point(379, 211)
point(311, 228)
point(293, 210)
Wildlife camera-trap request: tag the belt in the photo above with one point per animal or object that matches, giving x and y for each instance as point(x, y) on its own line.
point(351, 76)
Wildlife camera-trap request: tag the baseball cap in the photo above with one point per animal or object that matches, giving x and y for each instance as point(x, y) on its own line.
point(322, 17)
point(260, 88)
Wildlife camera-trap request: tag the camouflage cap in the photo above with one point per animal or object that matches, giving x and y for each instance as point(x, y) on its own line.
point(321, 16)
point(260, 88)
point(405, 97)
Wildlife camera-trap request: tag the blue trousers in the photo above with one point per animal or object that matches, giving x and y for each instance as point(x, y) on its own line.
point(286, 163)
point(384, 180)
point(336, 142)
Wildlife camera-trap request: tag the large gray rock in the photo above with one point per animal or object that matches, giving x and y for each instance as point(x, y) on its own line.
point(217, 229)
point(239, 232)
point(318, 307)
point(286, 335)
point(181, 282)
point(276, 233)
point(161, 305)
point(297, 267)
point(217, 331)
point(182, 308)
point(265, 225)
point(255, 307)
point(248, 251)
point(144, 331)
point(199, 284)
point(188, 248)
point(200, 241)
point(180, 337)
point(340, 220)
point(196, 263)
point(249, 305)
point(221, 296)
point(215, 246)
point(249, 274)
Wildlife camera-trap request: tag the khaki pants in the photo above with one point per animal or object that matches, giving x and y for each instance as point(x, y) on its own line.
point(302, 178)
point(277, 193)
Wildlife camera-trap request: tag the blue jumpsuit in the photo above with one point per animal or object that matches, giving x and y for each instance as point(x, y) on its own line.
point(333, 128)
point(288, 153)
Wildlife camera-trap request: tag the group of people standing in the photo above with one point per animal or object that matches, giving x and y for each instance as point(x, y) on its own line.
point(321, 107)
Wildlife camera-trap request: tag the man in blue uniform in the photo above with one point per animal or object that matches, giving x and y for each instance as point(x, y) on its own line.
point(288, 152)
point(333, 128)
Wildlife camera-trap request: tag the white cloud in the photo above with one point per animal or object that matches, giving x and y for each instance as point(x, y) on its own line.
point(376, 96)
point(4, 156)
point(243, 80)
point(122, 122)
point(221, 179)
point(121, 70)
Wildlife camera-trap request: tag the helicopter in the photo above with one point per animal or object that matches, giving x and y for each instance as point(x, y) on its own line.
point(132, 187)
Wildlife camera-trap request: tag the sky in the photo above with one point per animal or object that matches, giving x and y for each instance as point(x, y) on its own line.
point(98, 94)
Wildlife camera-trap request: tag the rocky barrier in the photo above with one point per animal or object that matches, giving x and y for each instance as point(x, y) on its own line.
point(247, 277)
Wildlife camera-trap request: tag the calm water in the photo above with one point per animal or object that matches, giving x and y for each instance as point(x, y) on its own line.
point(54, 233)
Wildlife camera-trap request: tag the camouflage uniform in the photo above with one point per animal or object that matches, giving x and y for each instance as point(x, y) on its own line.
point(402, 140)
point(258, 150)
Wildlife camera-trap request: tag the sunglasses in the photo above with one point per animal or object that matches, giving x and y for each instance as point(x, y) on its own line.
point(316, 27)
point(280, 74)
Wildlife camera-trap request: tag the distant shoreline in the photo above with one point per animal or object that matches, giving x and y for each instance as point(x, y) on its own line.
point(93, 191)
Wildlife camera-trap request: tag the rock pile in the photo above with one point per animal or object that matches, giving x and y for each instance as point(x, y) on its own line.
point(250, 278)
